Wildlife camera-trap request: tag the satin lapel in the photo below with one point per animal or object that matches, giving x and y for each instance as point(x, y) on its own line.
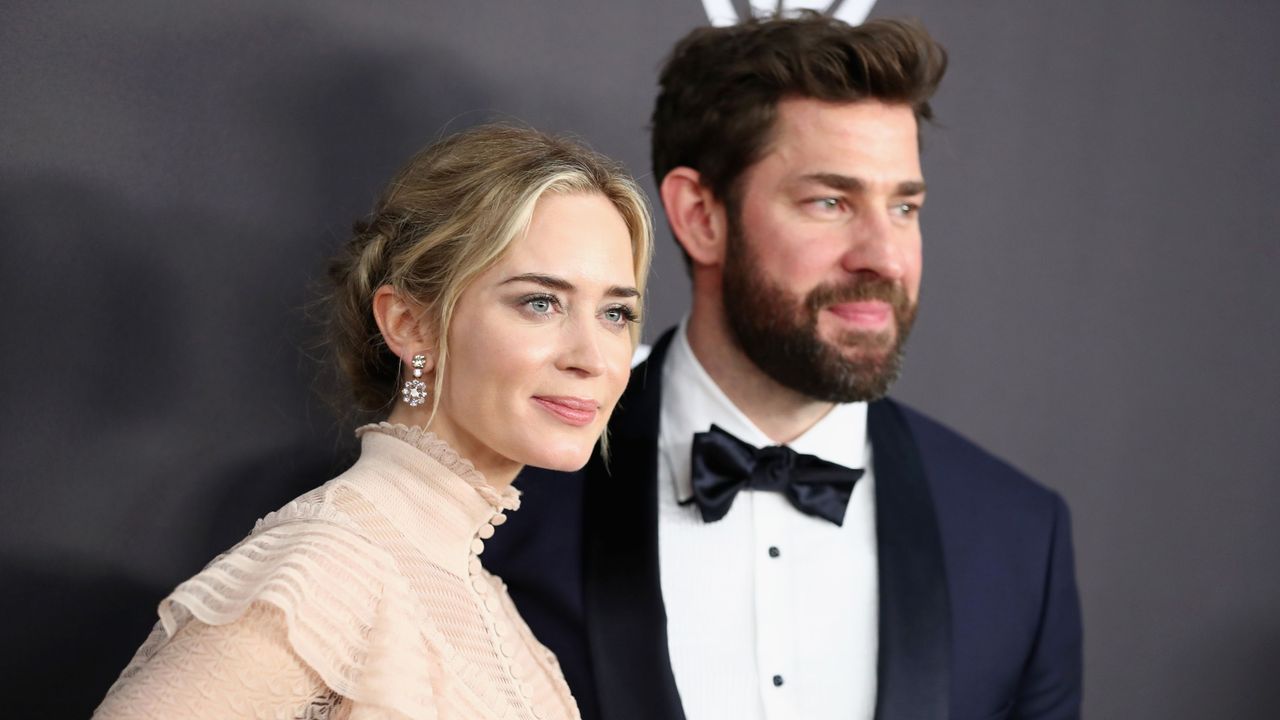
point(626, 619)
point(915, 612)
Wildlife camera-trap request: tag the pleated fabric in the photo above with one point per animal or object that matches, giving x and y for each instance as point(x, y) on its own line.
point(368, 597)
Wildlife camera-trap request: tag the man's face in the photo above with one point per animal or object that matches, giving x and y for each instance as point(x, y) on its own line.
point(822, 271)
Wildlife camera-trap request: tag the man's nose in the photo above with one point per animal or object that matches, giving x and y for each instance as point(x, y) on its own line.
point(875, 246)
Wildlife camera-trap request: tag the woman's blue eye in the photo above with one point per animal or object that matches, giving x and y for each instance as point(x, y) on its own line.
point(620, 315)
point(540, 304)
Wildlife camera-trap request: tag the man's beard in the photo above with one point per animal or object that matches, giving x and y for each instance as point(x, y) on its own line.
point(778, 330)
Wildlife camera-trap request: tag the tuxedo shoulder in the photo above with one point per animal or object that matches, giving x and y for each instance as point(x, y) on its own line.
point(953, 462)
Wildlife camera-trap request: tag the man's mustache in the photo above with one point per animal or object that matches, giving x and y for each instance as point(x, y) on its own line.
point(859, 289)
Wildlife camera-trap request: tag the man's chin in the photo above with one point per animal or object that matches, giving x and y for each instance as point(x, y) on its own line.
point(860, 348)
point(872, 366)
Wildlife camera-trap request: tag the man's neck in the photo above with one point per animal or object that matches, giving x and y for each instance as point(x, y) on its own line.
point(780, 412)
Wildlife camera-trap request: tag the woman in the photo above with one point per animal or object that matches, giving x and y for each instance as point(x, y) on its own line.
point(491, 302)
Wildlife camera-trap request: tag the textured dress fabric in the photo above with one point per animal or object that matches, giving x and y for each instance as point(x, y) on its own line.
point(362, 599)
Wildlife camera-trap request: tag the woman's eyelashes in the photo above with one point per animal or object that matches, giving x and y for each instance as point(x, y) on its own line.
point(620, 315)
point(545, 305)
point(540, 304)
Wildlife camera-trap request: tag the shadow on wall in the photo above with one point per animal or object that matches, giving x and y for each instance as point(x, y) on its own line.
point(1234, 671)
point(70, 630)
point(156, 401)
point(73, 626)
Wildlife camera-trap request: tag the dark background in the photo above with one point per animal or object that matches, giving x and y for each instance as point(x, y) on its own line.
point(1100, 298)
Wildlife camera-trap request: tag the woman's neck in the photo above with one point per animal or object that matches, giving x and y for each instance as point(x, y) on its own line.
point(498, 471)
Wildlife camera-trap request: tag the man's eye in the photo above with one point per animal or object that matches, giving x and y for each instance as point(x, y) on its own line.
point(906, 209)
point(827, 203)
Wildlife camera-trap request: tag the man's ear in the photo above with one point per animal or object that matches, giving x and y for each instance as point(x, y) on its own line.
point(697, 218)
point(402, 329)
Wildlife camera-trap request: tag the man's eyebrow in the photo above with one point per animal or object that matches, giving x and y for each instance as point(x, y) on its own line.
point(848, 183)
point(836, 181)
point(557, 283)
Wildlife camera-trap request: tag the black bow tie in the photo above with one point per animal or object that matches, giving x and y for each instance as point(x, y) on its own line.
point(723, 465)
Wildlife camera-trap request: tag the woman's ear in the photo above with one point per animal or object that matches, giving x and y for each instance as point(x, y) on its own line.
point(405, 333)
point(697, 219)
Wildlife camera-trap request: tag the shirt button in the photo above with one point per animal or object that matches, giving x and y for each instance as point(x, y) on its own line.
point(777, 681)
point(774, 551)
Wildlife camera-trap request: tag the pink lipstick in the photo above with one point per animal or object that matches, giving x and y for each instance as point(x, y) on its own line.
point(569, 410)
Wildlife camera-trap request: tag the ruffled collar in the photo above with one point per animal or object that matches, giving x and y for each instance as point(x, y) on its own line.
point(433, 446)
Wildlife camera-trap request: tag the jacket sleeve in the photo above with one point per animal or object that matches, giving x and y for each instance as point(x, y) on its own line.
point(1052, 683)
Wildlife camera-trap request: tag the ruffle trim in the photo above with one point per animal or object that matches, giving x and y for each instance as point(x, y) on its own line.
point(349, 615)
point(507, 498)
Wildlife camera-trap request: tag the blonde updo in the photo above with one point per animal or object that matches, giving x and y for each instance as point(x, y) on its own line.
point(448, 215)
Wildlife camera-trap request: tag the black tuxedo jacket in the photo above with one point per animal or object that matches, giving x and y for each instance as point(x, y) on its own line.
point(979, 615)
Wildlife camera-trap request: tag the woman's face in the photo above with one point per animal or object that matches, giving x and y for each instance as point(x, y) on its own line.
point(540, 344)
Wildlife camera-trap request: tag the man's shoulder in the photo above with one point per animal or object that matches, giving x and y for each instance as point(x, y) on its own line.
point(955, 464)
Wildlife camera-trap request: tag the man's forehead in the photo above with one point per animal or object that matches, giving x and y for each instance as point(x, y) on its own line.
point(867, 139)
point(801, 120)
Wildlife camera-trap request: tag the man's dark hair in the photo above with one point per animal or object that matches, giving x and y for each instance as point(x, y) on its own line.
point(721, 86)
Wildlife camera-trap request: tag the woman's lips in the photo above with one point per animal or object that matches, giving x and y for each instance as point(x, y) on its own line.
point(569, 410)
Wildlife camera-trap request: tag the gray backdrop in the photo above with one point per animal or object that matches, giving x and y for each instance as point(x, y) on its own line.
point(1099, 306)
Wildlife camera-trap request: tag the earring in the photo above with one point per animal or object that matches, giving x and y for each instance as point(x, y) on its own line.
point(415, 391)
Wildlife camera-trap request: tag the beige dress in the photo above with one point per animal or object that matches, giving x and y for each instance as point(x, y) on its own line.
point(362, 599)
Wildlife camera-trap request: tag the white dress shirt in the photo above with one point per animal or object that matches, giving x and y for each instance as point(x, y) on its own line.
point(771, 613)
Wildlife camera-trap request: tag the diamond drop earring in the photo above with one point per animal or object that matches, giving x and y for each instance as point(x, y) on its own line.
point(415, 391)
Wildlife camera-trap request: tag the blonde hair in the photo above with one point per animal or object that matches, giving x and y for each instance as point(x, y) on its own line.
point(448, 215)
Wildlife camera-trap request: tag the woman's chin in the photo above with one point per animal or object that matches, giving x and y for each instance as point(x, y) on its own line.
point(561, 459)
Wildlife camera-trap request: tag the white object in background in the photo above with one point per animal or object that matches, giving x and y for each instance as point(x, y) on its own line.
point(642, 352)
point(722, 12)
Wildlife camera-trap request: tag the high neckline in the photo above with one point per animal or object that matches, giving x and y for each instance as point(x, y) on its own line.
point(437, 449)
point(437, 500)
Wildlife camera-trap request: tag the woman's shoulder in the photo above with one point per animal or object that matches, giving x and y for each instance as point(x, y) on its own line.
point(309, 559)
point(346, 610)
point(320, 506)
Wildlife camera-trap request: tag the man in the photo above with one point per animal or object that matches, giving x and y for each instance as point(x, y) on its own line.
point(882, 566)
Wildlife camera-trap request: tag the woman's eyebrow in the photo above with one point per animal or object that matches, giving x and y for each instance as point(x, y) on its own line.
point(559, 283)
point(549, 281)
point(622, 292)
